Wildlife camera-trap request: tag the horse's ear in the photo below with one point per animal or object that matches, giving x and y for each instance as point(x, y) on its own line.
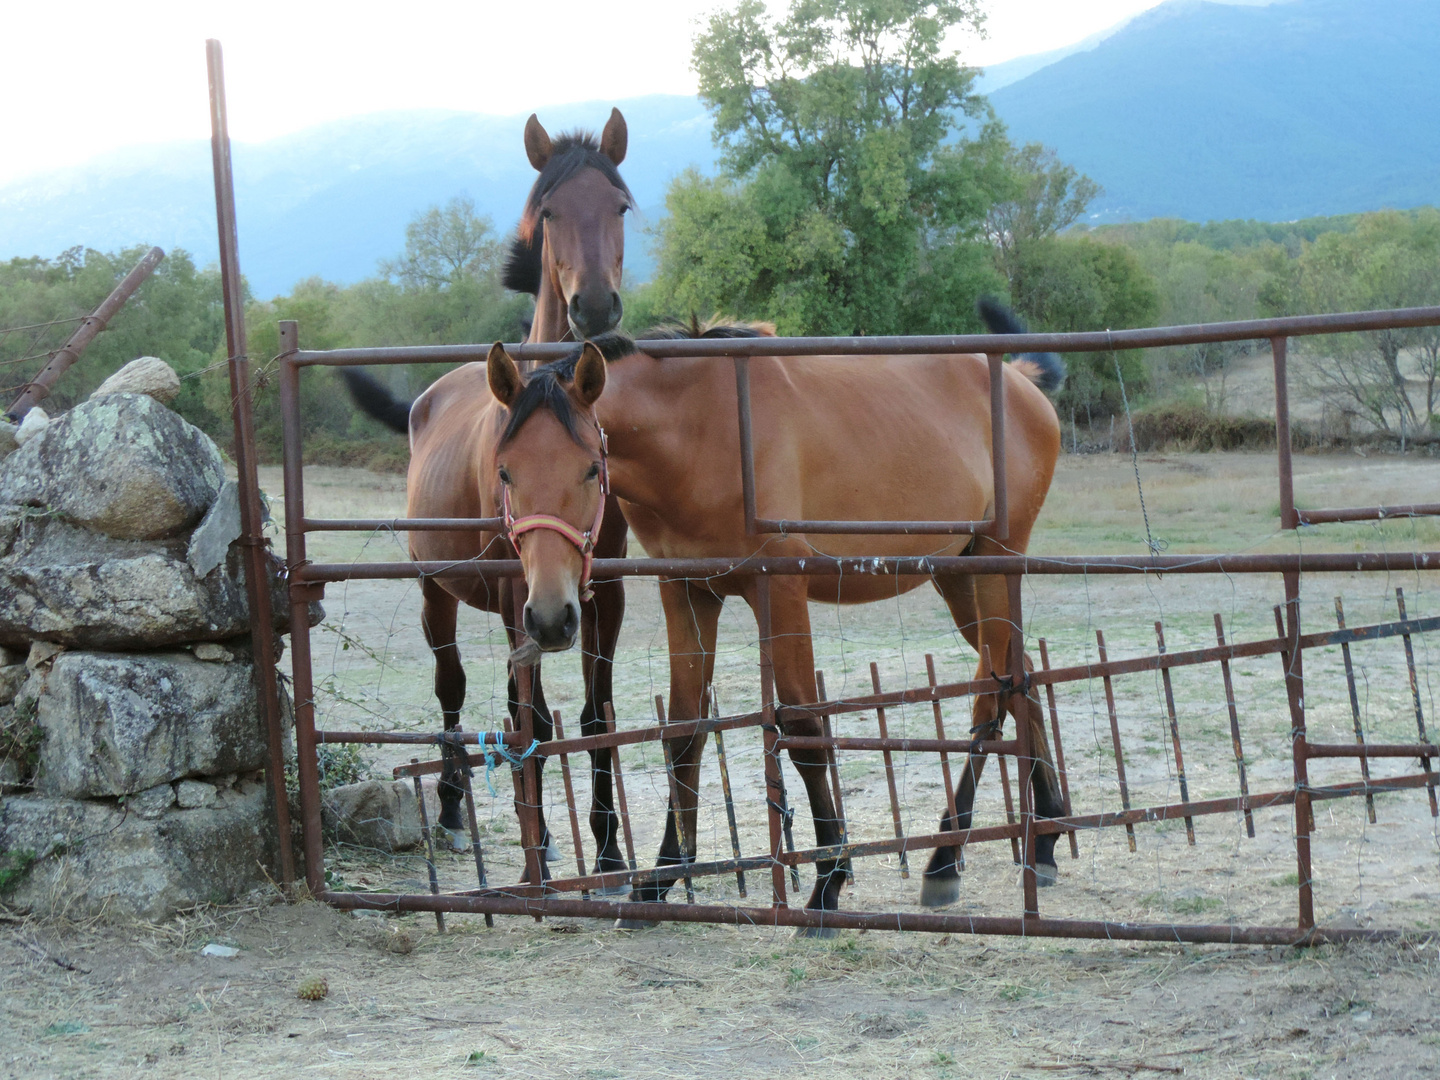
point(537, 142)
point(615, 138)
point(503, 375)
point(590, 375)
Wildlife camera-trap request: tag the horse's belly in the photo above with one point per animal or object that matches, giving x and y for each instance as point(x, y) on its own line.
point(862, 589)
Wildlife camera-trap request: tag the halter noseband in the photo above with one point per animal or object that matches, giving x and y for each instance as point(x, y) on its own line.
point(584, 541)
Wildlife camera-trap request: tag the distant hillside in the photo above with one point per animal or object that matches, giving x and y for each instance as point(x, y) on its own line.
point(333, 200)
point(1206, 111)
point(1193, 110)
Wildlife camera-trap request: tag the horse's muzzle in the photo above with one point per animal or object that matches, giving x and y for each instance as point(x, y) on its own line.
point(553, 629)
point(591, 316)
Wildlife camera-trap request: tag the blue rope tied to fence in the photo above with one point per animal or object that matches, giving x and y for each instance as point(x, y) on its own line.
point(499, 749)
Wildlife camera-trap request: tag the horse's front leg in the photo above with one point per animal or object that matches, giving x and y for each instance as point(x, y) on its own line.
point(793, 659)
point(692, 615)
point(512, 602)
point(600, 622)
point(438, 617)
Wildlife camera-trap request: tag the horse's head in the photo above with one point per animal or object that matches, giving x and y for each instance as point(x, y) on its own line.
point(550, 477)
point(570, 247)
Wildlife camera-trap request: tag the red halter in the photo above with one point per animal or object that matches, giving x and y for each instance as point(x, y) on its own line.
point(584, 541)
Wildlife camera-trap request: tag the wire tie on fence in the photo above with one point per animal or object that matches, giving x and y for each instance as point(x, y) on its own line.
point(784, 811)
point(498, 749)
point(1008, 686)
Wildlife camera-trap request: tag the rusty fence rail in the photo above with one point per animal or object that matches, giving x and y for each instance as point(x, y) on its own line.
point(308, 580)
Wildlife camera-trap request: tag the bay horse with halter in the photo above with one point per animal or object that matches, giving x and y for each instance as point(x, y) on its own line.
point(904, 437)
point(568, 252)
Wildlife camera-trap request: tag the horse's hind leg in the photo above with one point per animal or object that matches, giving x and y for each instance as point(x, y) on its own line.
point(600, 622)
point(1045, 783)
point(437, 616)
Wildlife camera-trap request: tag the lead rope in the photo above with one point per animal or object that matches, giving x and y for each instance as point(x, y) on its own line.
point(1155, 546)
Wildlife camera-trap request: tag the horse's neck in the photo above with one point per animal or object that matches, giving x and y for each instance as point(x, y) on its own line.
point(644, 468)
point(551, 322)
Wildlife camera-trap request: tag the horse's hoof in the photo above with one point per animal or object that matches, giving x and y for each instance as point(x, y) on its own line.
point(1046, 874)
point(634, 924)
point(819, 933)
point(453, 839)
point(939, 891)
point(552, 853)
point(618, 889)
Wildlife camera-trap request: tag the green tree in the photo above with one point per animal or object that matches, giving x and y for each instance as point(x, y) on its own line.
point(445, 245)
point(839, 186)
point(1041, 196)
point(1390, 260)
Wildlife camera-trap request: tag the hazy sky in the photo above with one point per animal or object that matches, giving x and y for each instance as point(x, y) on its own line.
point(78, 77)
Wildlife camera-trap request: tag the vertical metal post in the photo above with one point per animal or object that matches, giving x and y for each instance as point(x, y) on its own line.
point(747, 446)
point(1175, 733)
point(528, 808)
point(1288, 518)
point(301, 670)
point(1415, 696)
point(827, 729)
point(480, 877)
point(1235, 731)
point(619, 777)
point(1059, 749)
point(1001, 529)
point(1003, 762)
point(729, 807)
point(1355, 711)
point(257, 558)
point(1028, 753)
point(953, 817)
point(770, 731)
point(1115, 737)
point(890, 772)
point(1292, 658)
point(570, 801)
point(429, 838)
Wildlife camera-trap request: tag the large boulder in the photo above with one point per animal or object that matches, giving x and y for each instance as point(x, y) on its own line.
point(101, 857)
point(121, 723)
point(63, 584)
point(382, 815)
point(122, 464)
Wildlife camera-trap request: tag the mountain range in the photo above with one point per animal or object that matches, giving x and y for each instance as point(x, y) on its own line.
point(1194, 110)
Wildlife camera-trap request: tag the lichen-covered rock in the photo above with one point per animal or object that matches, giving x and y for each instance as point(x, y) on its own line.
point(216, 532)
point(379, 814)
point(122, 464)
point(32, 424)
point(102, 858)
point(7, 437)
point(119, 723)
point(12, 677)
point(144, 375)
point(62, 584)
point(194, 794)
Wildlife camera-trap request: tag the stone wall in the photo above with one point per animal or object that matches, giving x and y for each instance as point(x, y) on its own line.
point(132, 746)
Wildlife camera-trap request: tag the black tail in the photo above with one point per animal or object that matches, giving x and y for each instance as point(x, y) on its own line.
point(375, 400)
point(1046, 370)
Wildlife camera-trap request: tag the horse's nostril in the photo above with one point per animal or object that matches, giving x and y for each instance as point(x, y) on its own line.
point(616, 307)
point(529, 621)
point(572, 620)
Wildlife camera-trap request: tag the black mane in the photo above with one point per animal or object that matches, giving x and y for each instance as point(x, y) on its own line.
point(569, 154)
point(546, 387)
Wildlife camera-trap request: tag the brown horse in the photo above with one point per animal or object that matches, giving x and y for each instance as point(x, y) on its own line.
point(885, 437)
point(568, 251)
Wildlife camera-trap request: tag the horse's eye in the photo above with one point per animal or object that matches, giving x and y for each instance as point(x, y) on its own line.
point(594, 471)
point(546, 215)
point(623, 210)
point(505, 476)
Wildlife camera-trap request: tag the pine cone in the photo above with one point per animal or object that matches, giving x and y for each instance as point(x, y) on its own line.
point(314, 988)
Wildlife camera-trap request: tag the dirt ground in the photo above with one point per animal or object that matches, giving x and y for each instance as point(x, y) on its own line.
point(574, 997)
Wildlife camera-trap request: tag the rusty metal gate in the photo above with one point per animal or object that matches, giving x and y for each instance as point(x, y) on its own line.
point(571, 896)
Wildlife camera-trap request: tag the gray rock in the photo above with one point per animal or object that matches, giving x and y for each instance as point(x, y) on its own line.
point(41, 653)
point(213, 536)
point(101, 859)
point(152, 802)
point(380, 814)
point(212, 653)
point(12, 677)
point(143, 375)
point(7, 438)
point(194, 794)
point(65, 585)
point(122, 464)
point(117, 723)
point(10, 656)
